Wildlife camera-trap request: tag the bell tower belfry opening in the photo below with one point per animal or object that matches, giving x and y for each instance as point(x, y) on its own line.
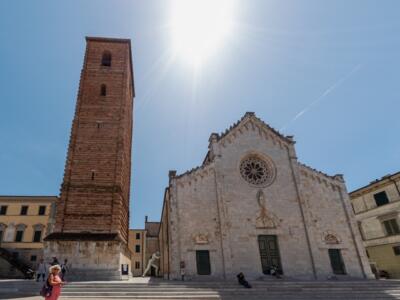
point(92, 219)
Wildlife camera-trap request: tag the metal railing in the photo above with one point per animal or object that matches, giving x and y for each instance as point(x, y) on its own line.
point(16, 263)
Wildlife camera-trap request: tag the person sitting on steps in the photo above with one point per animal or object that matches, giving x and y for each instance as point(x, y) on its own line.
point(275, 272)
point(243, 281)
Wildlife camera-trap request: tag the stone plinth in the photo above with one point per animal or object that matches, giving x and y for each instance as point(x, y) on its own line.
point(92, 257)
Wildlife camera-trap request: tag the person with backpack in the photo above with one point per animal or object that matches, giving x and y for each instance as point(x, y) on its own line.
point(64, 269)
point(54, 262)
point(51, 290)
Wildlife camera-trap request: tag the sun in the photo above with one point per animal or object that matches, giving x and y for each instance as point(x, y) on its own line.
point(200, 27)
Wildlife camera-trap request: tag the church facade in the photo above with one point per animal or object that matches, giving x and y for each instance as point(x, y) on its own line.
point(252, 207)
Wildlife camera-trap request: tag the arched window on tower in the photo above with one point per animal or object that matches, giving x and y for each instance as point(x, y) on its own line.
point(106, 59)
point(103, 90)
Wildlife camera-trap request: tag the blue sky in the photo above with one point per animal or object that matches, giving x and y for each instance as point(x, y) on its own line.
point(326, 72)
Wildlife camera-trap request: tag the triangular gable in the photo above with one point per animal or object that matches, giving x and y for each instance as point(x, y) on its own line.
point(250, 119)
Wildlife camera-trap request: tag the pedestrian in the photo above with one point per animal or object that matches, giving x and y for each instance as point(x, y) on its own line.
point(55, 282)
point(243, 281)
point(183, 274)
point(54, 262)
point(275, 272)
point(41, 270)
point(64, 269)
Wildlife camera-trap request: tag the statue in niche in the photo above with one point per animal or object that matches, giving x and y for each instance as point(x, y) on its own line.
point(265, 218)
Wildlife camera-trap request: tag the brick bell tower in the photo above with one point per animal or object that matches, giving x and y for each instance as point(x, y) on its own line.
point(92, 220)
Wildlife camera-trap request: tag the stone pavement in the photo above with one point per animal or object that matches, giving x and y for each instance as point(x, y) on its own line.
point(156, 289)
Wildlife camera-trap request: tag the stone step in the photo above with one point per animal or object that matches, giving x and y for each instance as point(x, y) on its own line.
point(224, 290)
point(236, 286)
point(231, 291)
point(279, 297)
point(272, 282)
point(238, 296)
point(247, 292)
point(266, 288)
point(227, 285)
point(236, 290)
point(168, 290)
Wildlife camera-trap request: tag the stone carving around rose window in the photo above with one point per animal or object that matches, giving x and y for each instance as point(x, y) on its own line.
point(256, 171)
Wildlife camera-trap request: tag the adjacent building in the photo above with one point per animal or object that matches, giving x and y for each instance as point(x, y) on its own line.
point(142, 244)
point(252, 207)
point(24, 221)
point(137, 246)
point(377, 210)
point(152, 242)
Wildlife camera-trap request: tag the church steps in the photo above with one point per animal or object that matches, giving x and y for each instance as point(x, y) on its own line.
point(226, 285)
point(222, 292)
point(242, 296)
point(228, 290)
point(234, 286)
point(194, 295)
point(239, 296)
point(295, 290)
point(166, 290)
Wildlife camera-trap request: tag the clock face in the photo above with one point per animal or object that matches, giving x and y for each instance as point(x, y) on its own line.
point(257, 172)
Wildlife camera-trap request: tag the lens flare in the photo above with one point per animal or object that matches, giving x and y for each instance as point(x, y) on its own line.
point(199, 27)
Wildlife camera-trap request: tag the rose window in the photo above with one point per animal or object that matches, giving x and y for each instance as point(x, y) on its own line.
point(256, 171)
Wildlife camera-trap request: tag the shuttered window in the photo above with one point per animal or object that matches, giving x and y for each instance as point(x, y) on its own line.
point(396, 250)
point(391, 227)
point(24, 210)
point(37, 236)
point(3, 210)
point(381, 198)
point(42, 210)
point(19, 235)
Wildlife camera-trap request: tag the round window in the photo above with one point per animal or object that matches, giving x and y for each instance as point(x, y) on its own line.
point(256, 171)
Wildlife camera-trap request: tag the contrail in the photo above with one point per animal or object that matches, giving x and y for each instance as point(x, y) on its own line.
point(324, 94)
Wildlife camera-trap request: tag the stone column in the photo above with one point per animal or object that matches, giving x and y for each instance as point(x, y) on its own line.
point(355, 234)
point(296, 180)
point(223, 213)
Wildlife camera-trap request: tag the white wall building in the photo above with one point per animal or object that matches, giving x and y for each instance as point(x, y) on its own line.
point(251, 206)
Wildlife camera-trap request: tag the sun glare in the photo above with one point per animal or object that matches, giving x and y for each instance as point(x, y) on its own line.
point(199, 27)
